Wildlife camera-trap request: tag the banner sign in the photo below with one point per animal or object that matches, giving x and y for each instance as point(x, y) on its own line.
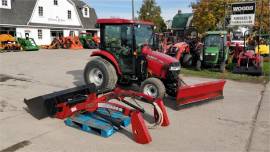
point(243, 13)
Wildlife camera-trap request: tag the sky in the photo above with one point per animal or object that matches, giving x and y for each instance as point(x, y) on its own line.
point(122, 8)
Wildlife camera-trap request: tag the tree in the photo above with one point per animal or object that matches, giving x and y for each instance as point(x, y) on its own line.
point(209, 13)
point(150, 11)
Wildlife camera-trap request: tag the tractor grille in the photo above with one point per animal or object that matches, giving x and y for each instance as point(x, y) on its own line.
point(209, 57)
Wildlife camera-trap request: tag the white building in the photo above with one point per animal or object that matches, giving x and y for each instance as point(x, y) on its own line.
point(45, 19)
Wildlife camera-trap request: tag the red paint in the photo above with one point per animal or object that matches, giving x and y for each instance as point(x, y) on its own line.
point(157, 62)
point(121, 21)
point(140, 132)
point(200, 92)
point(109, 57)
point(166, 120)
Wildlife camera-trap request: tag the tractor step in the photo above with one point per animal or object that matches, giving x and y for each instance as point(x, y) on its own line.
point(95, 123)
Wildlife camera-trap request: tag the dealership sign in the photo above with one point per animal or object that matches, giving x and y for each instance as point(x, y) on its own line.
point(243, 13)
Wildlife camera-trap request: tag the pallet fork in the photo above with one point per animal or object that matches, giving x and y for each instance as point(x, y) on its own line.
point(68, 103)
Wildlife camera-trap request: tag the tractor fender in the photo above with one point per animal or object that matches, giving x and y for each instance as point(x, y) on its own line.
point(109, 57)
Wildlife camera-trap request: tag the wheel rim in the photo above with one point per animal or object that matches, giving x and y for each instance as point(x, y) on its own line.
point(150, 90)
point(96, 77)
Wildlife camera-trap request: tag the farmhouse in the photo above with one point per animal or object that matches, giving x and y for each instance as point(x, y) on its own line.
point(44, 20)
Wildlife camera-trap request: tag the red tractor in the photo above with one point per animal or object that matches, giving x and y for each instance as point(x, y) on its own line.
point(125, 56)
point(247, 61)
point(184, 46)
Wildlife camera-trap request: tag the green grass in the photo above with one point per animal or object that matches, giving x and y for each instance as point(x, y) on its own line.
point(228, 75)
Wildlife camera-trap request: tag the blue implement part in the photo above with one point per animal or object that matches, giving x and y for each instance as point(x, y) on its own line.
point(93, 123)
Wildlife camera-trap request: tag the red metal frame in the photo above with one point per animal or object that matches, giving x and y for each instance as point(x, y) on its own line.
point(139, 129)
point(121, 21)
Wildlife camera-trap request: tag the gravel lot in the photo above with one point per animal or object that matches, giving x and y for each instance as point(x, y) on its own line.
point(239, 122)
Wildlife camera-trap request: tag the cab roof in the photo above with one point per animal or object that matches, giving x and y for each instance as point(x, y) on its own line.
point(121, 21)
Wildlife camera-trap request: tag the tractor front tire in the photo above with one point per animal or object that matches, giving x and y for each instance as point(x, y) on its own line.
point(153, 87)
point(187, 61)
point(100, 72)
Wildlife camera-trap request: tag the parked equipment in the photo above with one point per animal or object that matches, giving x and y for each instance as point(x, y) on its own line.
point(248, 62)
point(69, 42)
point(104, 113)
point(88, 41)
point(215, 50)
point(184, 46)
point(125, 56)
point(8, 42)
point(28, 44)
point(263, 47)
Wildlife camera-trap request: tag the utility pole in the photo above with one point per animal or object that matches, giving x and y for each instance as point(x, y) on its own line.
point(132, 9)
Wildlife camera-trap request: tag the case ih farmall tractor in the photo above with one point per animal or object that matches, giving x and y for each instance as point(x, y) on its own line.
point(125, 56)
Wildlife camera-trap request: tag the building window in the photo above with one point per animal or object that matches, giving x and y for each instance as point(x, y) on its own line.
point(69, 14)
point(4, 3)
point(40, 11)
point(39, 34)
point(85, 11)
point(55, 2)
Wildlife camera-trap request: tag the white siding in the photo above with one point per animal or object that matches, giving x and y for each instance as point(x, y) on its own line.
point(33, 33)
point(56, 14)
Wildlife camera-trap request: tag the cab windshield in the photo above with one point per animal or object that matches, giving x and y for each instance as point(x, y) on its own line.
point(143, 35)
point(212, 41)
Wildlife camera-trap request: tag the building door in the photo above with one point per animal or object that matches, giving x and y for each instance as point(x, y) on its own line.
point(56, 33)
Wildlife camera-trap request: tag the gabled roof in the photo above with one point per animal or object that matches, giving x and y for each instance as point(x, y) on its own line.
point(180, 20)
point(19, 14)
point(21, 11)
point(88, 22)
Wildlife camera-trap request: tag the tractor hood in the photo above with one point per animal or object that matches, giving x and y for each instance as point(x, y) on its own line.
point(161, 57)
point(214, 50)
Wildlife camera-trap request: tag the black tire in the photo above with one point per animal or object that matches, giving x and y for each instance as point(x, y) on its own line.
point(222, 67)
point(187, 61)
point(198, 65)
point(109, 76)
point(158, 87)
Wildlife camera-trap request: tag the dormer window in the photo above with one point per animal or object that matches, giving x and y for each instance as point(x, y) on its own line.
point(4, 3)
point(85, 12)
point(55, 2)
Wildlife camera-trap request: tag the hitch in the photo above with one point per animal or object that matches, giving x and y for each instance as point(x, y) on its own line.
point(88, 110)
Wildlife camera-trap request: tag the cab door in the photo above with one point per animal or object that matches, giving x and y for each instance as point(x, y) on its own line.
point(117, 39)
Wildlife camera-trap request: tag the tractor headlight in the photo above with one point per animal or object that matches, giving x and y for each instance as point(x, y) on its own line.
point(175, 67)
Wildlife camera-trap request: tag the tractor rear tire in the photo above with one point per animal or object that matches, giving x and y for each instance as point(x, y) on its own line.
point(222, 67)
point(153, 87)
point(100, 72)
point(187, 61)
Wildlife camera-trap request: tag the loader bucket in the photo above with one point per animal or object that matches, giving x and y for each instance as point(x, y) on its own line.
point(200, 92)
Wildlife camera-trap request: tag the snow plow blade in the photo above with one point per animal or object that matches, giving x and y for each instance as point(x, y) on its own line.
point(200, 92)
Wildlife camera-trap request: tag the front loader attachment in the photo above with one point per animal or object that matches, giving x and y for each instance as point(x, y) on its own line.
point(200, 92)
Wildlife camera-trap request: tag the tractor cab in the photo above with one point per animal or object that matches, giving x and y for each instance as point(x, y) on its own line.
point(124, 39)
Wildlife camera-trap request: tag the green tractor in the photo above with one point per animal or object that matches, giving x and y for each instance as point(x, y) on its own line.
point(28, 44)
point(87, 41)
point(215, 50)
